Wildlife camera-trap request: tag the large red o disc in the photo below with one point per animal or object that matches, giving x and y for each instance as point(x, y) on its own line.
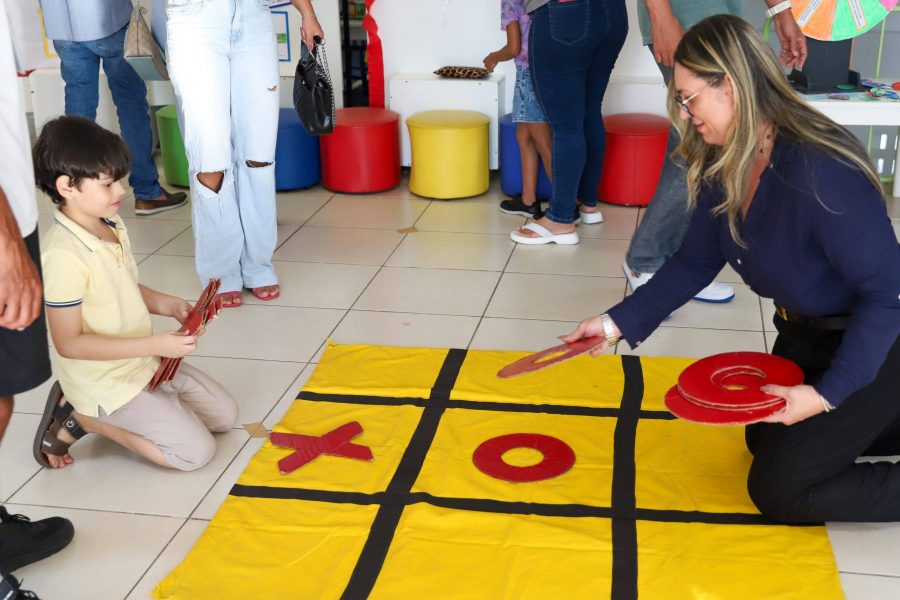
point(558, 457)
point(683, 408)
point(732, 380)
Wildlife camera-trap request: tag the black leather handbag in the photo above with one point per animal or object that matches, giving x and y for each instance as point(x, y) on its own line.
point(313, 93)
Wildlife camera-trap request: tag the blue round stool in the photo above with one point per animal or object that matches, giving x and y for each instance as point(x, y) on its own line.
point(511, 163)
point(296, 154)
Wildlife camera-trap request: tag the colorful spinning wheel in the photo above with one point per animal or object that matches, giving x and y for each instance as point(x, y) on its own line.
point(832, 20)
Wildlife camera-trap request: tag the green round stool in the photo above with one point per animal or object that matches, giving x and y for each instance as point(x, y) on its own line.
point(175, 163)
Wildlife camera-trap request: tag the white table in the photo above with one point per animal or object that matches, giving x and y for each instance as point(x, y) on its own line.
point(862, 112)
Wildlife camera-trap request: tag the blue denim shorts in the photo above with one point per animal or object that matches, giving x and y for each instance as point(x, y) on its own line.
point(526, 106)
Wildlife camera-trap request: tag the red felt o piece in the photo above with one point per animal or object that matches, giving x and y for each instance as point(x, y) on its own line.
point(683, 408)
point(733, 379)
point(558, 457)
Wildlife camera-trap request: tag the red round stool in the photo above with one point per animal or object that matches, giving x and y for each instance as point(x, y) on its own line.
point(635, 150)
point(362, 154)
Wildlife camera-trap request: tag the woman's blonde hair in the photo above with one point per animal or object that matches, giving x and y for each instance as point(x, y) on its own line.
point(725, 45)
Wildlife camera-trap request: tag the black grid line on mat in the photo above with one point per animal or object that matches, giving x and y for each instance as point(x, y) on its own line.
point(623, 511)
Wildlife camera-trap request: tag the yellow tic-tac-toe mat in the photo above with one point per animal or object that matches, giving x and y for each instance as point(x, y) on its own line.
point(652, 507)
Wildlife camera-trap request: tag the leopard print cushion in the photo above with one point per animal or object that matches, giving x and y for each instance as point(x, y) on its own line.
point(462, 72)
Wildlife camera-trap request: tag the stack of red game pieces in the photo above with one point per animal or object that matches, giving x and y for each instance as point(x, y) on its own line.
point(207, 307)
point(724, 389)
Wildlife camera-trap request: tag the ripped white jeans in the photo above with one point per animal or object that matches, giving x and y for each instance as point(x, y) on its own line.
point(223, 62)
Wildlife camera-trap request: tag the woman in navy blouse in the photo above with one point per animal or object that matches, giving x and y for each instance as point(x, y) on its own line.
point(791, 201)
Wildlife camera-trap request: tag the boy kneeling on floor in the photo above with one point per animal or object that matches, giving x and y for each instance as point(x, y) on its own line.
point(99, 318)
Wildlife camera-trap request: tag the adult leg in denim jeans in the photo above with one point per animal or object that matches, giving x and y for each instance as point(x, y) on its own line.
point(665, 222)
point(199, 44)
point(568, 43)
point(254, 121)
point(80, 69)
point(130, 96)
point(667, 217)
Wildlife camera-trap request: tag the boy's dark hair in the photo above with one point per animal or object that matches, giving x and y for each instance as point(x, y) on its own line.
point(79, 148)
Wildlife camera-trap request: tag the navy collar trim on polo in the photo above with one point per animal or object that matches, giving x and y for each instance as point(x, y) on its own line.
point(91, 241)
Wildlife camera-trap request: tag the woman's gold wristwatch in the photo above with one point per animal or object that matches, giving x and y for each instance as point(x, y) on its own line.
point(609, 330)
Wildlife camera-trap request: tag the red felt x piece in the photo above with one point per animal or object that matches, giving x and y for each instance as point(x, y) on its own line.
point(308, 447)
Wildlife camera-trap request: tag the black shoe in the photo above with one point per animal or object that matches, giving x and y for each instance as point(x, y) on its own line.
point(515, 206)
point(10, 590)
point(166, 201)
point(23, 542)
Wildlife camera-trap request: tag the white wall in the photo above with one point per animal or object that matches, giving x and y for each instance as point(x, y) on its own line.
point(422, 35)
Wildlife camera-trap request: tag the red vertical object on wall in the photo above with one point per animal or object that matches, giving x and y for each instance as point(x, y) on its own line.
point(375, 59)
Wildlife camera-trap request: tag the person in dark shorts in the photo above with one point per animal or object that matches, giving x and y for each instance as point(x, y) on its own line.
point(24, 355)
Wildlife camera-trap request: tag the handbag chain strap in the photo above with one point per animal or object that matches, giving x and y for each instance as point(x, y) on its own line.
point(322, 59)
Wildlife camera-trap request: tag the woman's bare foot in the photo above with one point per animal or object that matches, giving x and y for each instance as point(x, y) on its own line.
point(588, 209)
point(266, 292)
point(230, 299)
point(552, 226)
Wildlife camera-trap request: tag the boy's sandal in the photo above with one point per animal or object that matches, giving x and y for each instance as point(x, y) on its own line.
point(55, 417)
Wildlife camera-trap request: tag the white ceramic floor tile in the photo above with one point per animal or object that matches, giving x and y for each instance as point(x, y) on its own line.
point(278, 333)
point(183, 245)
point(869, 587)
point(17, 465)
point(742, 313)
point(438, 250)
point(295, 208)
point(619, 223)
point(870, 548)
point(768, 312)
point(598, 257)
point(318, 285)
point(175, 552)
point(108, 555)
point(682, 341)
point(33, 401)
point(274, 417)
point(217, 494)
point(432, 291)
point(520, 334)
point(468, 217)
point(257, 385)
point(554, 297)
point(333, 245)
point(175, 275)
point(369, 212)
point(106, 476)
point(405, 329)
point(149, 235)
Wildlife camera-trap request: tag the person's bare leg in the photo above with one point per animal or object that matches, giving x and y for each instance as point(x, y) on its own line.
point(267, 290)
point(134, 442)
point(6, 410)
point(529, 154)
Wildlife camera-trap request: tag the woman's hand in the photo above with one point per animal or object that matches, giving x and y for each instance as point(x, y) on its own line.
point(589, 328)
point(310, 29)
point(665, 34)
point(803, 402)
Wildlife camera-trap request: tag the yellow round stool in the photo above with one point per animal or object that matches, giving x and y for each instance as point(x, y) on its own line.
point(449, 153)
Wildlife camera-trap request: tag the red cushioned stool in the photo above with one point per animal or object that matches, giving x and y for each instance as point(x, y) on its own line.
point(362, 154)
point(635, 150)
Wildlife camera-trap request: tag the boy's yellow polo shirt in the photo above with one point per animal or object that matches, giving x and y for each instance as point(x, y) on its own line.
point(82, 270)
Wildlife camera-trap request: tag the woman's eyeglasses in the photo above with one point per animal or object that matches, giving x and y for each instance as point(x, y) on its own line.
point(683, 102)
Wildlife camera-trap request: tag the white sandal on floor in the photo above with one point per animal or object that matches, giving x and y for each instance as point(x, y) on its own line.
point(545, 236)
